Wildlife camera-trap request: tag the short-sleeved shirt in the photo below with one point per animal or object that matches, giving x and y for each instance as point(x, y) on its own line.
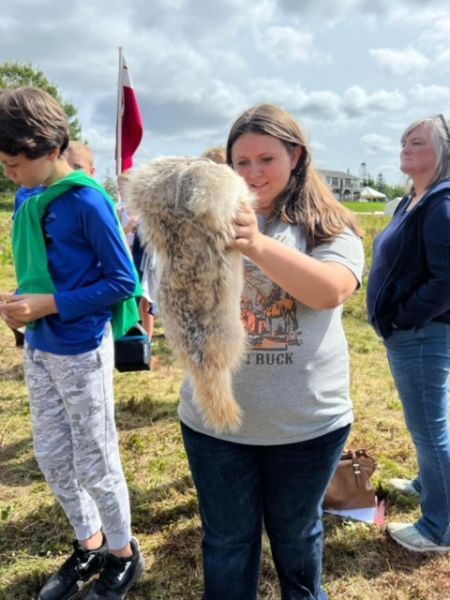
point(293, 383)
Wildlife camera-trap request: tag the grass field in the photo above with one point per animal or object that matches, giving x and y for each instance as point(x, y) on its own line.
point(366, 207)
point(360, 562)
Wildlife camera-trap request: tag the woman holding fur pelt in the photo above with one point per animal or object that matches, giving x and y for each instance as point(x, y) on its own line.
point(303, 259)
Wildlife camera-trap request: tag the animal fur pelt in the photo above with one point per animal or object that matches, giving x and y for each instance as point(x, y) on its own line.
point(186, 208)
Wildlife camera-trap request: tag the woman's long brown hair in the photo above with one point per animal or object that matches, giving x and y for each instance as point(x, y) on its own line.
point(307, 200)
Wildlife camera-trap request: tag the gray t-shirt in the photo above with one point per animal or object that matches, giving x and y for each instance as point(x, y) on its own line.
point(293, 384)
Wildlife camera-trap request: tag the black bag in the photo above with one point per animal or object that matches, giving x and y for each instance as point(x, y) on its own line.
point(132, 352)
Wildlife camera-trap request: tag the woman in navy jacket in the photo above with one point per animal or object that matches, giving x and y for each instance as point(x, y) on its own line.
point(408, 302)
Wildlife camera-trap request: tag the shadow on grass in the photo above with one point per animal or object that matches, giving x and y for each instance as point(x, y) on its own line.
point(175, 571)
point(13, 473)
point(14, 373)
point(24, 587)
point(368, 555)
point(33, 533)
point(12, 451)
point(133, 413)
point(162, 506)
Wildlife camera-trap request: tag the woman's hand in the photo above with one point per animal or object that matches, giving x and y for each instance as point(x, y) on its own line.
point(20, 309)
point(249, 239)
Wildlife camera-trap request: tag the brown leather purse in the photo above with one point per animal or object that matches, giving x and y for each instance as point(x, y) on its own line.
point(351, 485)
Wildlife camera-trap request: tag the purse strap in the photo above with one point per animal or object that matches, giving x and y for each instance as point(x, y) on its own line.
point(356, 468)
point(356, 465)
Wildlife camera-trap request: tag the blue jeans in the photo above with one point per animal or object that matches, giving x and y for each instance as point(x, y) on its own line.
point(420, 364)
point(239, 485)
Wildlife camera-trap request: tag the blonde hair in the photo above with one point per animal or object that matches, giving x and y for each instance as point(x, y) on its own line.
point(217, 154)
point(79, 156)
point(307, 200)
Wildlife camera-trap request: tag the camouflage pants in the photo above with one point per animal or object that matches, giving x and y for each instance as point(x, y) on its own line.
point(75, 439)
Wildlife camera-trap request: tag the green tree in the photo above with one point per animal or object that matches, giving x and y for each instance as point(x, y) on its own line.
point(18, 74)
point(391, 191)
point(110, 185)
point(395, 191)
point(365, 176)
point(380, 184)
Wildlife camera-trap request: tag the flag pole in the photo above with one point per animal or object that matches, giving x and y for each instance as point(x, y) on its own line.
point(119, 116)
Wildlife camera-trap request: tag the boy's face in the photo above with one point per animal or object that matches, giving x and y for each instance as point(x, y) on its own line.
point(80, 161)
point(28, 172)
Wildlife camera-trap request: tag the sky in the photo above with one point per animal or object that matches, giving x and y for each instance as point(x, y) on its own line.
point(354, 73)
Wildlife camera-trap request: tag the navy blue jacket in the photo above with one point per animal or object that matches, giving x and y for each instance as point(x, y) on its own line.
point(411, 287)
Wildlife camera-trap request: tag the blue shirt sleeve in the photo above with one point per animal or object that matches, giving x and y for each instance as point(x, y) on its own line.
point(23, 194)
point(88, 259)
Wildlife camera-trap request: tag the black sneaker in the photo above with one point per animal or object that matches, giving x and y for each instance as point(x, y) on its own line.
point(118, 575)
point(66, 583)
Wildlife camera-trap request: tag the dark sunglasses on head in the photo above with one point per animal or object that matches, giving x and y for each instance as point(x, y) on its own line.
point(444, 125)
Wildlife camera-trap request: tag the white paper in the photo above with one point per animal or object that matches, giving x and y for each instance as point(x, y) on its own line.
point(358, 514)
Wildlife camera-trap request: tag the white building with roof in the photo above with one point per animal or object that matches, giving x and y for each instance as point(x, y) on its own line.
point(343, 185)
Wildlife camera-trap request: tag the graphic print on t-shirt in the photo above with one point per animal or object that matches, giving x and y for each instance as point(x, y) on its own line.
point(269, 314)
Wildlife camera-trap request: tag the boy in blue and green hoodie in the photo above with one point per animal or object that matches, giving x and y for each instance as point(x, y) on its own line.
point(76, 284)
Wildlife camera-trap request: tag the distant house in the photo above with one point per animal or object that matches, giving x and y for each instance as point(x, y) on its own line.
point(343, 185)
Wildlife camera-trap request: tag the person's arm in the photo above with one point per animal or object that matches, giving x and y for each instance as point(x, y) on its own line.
point(431, 298)
point(118, 280)
point(18, 310)
point(319, 285)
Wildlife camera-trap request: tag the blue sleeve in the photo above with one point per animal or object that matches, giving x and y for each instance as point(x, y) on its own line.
point(432, 297)
point(23, 194)
point(114, 278)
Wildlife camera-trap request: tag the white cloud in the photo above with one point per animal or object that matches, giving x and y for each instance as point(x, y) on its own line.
point(317, 146)
point(443, 59)
point(368, 8)
point(289, 45)
point(338, 10)
point(356, 102)
point(374, 143)
point(322, 104)
point(438, 94)
point(401, 62)
point(204, 21)
point(426, 15)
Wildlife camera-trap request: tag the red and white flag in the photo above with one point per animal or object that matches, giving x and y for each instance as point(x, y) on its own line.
point(129, 128)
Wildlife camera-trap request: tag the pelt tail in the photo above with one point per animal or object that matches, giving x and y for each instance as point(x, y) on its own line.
point(213, 389)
